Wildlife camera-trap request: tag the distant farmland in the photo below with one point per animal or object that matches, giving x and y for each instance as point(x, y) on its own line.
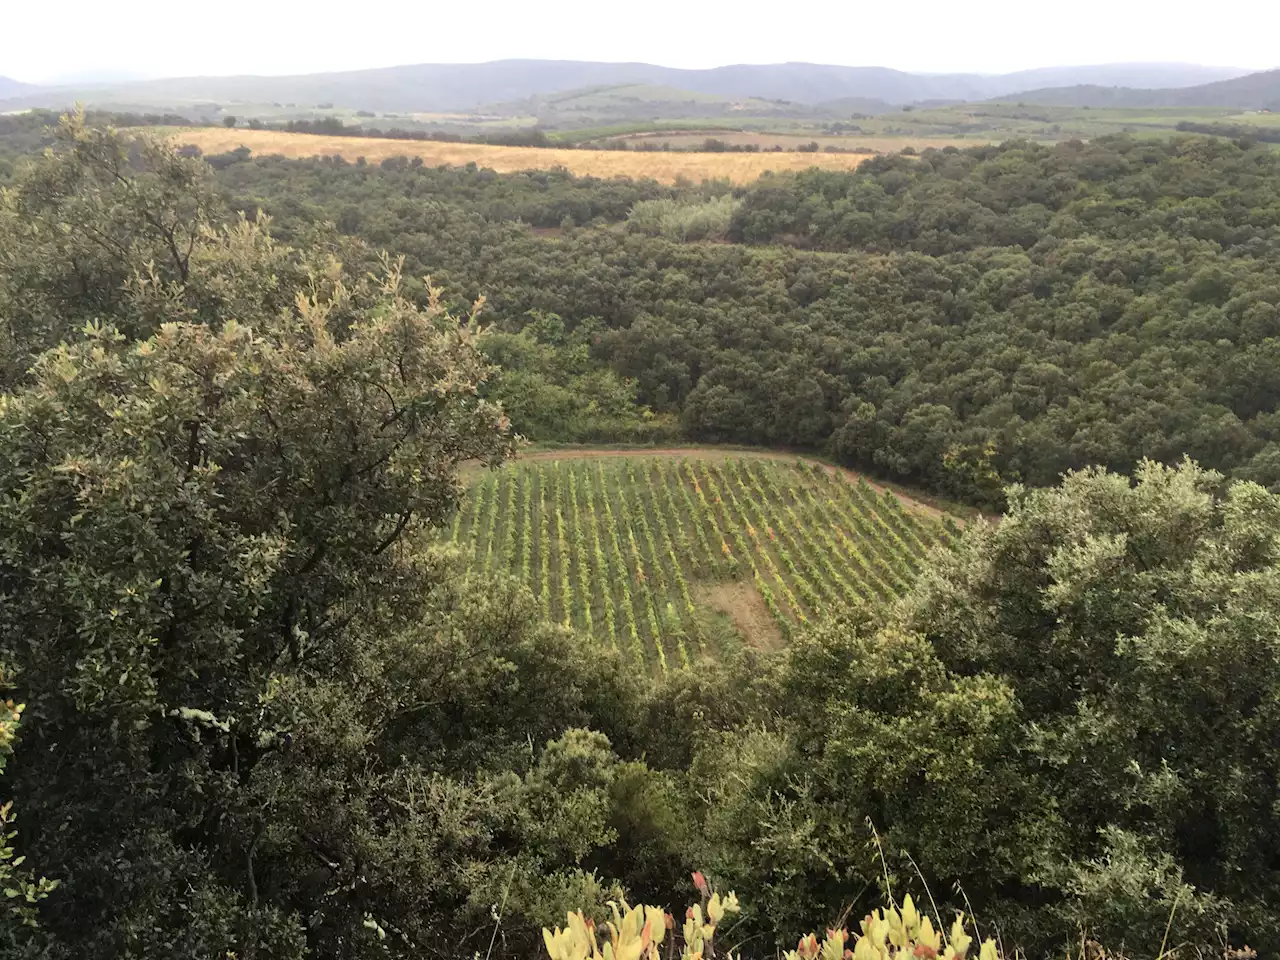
point(880, 143)
point(660, 166)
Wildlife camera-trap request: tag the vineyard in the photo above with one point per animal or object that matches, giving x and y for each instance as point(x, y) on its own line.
point(626, 548)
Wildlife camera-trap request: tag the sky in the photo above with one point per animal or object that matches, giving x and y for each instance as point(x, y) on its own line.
point(73, 39)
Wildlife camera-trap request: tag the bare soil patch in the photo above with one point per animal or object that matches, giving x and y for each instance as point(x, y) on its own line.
point(741, 602)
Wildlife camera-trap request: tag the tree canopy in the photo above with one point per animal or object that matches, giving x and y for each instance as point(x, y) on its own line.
point(1065, 305)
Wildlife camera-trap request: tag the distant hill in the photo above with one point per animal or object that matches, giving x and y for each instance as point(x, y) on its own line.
point(468, 87)
point(864, 105)
point(1254, 91)
point(14, 88)
point(635, 104)
point(1140, 75)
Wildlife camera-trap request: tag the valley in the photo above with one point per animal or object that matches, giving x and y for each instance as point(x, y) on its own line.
point(593, 510)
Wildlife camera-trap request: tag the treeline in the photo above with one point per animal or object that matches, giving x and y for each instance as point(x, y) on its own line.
point(24, 134)
point(21, 134)
point(1239, 131)
point(1027, 195)
point(949, 319)
point(335, 127)
point(715, 145)
point(402, 191)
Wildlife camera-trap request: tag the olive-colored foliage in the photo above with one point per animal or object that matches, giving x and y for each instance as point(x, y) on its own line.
point(138, 535)
point(408, 794)
point(80, 229)
point(873, 730)
point(125, 231)
point(266, 719)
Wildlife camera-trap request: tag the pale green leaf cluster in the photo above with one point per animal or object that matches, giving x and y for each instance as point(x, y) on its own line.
point(894, 933)
point(685, 220)
point(637, 933)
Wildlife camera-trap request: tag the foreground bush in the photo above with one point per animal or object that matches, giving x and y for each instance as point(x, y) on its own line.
point(1072, 716)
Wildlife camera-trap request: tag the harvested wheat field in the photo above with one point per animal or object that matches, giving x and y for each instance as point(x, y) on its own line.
point(663, 167)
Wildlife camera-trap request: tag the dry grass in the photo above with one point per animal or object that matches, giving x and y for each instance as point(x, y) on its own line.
point(663, 167)
point(741, 602)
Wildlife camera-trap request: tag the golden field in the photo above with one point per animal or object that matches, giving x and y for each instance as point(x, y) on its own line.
point(663, 167)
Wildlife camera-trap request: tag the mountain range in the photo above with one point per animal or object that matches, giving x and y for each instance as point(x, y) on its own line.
point(468, 87)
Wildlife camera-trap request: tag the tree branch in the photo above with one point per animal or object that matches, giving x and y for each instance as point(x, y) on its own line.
point(395, 534)
point(253, 883)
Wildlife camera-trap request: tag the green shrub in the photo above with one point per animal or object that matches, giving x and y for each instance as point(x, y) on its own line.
point(1072, 718)
point(684, 220)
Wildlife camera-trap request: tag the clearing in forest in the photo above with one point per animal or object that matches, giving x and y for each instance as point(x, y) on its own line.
point(665, 167)
point(666, 558)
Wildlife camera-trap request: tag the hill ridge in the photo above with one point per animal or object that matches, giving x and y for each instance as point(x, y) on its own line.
point(15, 88)
point(1253, 91)
point(442, 86)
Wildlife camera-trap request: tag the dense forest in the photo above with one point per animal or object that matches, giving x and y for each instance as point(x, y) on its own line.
point(1018, 310)
point(257, 710)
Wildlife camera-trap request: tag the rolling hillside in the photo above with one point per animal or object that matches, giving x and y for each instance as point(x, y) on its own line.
point(13, 88)
point(632, 103)
point(1255, 91)
point(1146, 75)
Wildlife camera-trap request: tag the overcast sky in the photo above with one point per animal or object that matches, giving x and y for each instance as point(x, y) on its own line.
point(40, 42)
